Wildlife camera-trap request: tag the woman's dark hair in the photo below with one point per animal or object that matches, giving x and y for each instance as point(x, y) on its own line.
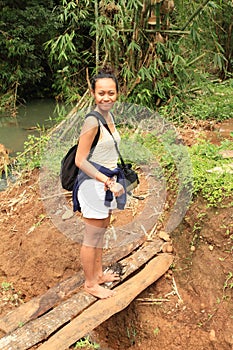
point(105, 72)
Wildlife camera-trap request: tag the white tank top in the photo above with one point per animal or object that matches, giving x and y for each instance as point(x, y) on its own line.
point(105, 151)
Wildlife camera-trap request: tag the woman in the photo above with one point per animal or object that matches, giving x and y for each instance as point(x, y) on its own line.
point(98, 177)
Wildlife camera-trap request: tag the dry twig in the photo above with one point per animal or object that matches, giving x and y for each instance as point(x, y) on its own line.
point(152, 300)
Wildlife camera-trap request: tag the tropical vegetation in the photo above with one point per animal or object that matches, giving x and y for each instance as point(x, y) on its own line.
point(162, 51)
point(171, 56)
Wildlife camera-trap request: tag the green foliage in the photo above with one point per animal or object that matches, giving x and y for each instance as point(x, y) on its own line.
point(211, 33)
point(203, 171)
point(131, 334)
point(7, 286)
point(229, 281)
point(140, 155)
point(8, 295)
point(23, 29)
point(212, 173)
point(228, 285)
point(216, 103)
point(33, 152)
point(156, 331)
point(46, 48)
point(213, 101)
point(152, 71)
point(69, 52)
point(87, 344)
point(168, 159)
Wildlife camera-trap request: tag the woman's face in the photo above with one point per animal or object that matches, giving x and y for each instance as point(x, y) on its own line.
point(105, 93)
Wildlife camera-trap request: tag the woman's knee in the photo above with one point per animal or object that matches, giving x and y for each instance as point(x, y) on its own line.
point(93, 236)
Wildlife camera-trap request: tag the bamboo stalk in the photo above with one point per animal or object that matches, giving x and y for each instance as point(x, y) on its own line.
point(15, 96)
point(198, 10)
point(136, 82)
point(157, 12)
point(96, 36)
point(168, 31)
point(195, 60)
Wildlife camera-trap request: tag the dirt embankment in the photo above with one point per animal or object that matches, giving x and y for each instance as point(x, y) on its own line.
point(191, 307)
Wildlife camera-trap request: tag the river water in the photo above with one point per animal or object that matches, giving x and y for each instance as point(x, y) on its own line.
point(14, 131)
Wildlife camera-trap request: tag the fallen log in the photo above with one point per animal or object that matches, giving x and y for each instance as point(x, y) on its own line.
point(103, 309)
point(37, 330)
point(41, 304)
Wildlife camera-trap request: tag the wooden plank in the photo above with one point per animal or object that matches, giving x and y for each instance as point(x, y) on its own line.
point(140, 257)
point(25, 337)
point(41, 304)
point(37, 330)
point(103, 309)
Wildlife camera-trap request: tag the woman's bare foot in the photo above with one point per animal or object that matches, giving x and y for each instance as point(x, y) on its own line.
point(108, 276)
point(99, 292)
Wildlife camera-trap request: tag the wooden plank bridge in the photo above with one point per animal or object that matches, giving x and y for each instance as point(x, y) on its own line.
point(66, 313)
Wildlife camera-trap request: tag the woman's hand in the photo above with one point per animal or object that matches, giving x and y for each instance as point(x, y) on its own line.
point(115, 187)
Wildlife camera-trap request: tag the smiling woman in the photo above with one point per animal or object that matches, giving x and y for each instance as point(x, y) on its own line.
point(105, 95)
point(99, 187)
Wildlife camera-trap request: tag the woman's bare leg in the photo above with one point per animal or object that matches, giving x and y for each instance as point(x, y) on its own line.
point(108, 276)
point(91, 257)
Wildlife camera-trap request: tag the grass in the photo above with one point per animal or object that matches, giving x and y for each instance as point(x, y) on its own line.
point(216, 103)
point(212, 176)
point(213, 101)
point(200, 167)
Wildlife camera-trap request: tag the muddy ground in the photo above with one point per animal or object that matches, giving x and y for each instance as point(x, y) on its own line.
point(196, 311)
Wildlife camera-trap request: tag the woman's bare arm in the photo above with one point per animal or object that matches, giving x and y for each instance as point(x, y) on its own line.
point(88, 133)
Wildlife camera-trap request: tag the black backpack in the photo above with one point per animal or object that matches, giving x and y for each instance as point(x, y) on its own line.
point(69, 170)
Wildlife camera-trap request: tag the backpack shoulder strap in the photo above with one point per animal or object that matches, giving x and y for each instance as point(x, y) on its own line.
point(103, 121)
point(99, 117)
